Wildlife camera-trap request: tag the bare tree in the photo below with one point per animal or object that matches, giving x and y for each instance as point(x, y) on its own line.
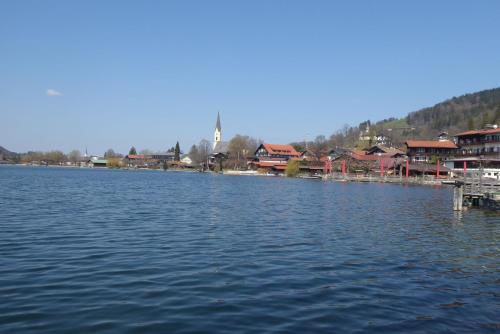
point(319, 147)
point(74, 156)
point(110, 153)
point(55, 157)
point(204, 149)
point(240, 148)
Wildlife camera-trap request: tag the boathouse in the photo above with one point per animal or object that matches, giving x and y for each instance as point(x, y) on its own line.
point(276, 152)
point(273, 158)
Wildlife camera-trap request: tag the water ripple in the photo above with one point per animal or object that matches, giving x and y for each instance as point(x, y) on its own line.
point(98, 251)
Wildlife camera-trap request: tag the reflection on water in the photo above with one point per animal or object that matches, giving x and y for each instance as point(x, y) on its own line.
point(117, 251)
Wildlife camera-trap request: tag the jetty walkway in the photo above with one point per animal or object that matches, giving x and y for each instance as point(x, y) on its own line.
point(470, 190)
point(476, 191)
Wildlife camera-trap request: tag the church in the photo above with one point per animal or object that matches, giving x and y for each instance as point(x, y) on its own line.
point(220, 149)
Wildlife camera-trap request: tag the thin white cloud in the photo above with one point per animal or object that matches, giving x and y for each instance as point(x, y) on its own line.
point(53, 92)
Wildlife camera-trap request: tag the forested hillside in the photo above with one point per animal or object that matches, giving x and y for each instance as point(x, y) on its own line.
point(466, 112)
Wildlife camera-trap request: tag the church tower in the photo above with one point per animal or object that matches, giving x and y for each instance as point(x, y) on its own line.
point(217, 132)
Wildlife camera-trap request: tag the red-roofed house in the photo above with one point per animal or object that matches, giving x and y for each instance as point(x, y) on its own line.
point(276, 151)
point(274, 157)
point(479, 142)
point(424, 150)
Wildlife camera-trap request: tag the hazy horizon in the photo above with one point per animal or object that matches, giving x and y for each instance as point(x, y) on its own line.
point(119, 74)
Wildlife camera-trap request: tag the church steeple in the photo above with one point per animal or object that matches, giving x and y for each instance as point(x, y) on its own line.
point(217, 125)
point(217, 132)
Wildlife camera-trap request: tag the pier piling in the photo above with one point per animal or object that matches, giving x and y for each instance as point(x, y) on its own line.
point(458, 196)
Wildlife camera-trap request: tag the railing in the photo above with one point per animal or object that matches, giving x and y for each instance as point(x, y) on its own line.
point(478, 142)
point(476, 185)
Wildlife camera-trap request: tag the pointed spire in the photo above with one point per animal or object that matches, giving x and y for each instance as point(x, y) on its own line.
point(217, 125)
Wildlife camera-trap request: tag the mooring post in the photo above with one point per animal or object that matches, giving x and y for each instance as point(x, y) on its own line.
point(455, 198)
point(458, 196)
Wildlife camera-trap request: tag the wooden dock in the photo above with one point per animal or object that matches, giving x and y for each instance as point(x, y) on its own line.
point(426, 180)
point(476, 191)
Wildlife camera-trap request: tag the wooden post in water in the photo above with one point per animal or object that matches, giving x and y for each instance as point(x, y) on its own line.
point(407, 168)
point(458, 196)
point(437, 168)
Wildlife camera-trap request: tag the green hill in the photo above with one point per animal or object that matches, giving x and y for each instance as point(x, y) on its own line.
point(466, 112)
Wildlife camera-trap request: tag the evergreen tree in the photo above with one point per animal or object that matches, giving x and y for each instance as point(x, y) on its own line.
point(177, 152)
point(132, 151)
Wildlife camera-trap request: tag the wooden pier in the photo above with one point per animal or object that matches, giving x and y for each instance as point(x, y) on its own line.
point(476, 191)
point(469, 190)
point(420, 180)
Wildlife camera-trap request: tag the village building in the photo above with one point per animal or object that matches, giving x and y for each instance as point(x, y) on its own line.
point(186, 159)
point(337, 152)
point(96, 162)
point(273, 157)
point(422, 151)
point(488, 166)
point(360, 162)
point(276, 152)
point(384, 151)
point(479, 142)
point(220, 149)
point(148, 160)
point(443, 136)
point(382, 139)
point(364, 134)
point(217, 133)
point(423, 169)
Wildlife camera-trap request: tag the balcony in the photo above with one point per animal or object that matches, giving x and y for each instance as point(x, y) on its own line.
point(475, 153)
point(479, 141)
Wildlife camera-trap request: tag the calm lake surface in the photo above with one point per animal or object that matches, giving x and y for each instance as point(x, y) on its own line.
point(103, 251)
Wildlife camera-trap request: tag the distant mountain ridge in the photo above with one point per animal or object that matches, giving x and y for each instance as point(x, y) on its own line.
point(6, 153)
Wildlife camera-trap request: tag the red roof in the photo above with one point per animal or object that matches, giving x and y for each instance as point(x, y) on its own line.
point(269, 164)
point(281, 149)
point(135, 156)
point(280, 167)
point(431, 143)
point(479, 132)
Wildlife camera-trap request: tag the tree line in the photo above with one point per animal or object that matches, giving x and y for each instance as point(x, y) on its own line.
point(58, 157)
point(458, 114)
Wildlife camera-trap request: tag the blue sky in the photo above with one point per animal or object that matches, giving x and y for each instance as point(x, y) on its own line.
point(149, 73)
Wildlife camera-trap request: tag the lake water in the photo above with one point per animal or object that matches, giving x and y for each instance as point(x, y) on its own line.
point(104, 251)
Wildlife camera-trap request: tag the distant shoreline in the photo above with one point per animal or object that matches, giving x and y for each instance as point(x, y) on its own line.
point(346, 179)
